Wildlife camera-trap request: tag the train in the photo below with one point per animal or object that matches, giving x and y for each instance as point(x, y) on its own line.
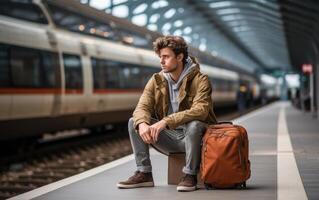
point(64, 65)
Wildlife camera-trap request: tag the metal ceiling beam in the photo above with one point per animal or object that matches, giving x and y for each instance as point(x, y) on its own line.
point(301, 29)
point(211, 15)
point(276, 25)
point(254, 22)
point(249, 10)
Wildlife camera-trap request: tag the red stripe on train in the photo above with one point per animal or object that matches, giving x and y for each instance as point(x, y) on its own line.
point(73, 91)
point(67, 91)
point(30, 90)
point(118, 91)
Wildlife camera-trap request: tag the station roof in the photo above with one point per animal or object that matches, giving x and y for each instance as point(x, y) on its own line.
point(255, 34)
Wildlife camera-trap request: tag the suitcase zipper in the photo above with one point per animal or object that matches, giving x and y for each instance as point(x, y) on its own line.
point(240, 156)
point(204, 155)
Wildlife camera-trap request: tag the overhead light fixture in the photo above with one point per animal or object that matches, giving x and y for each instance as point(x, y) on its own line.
point(81, 27)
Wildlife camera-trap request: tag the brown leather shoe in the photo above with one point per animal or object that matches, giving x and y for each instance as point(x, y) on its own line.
point(139, 179)
point(188, 183)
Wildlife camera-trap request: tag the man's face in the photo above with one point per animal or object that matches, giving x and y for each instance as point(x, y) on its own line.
point(168, 60)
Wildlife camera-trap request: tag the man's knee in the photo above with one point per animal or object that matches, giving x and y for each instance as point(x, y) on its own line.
point(131, 124)
point(196, 128)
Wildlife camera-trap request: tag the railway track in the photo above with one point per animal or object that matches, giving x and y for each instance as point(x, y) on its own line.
point(61, 160)
point(59, 164)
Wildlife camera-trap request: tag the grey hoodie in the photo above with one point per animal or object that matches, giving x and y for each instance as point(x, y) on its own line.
point(174, 86)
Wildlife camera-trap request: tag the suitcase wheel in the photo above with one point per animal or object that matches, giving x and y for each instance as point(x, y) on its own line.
point(242, 185)
point(238, 186)
point(208, 186)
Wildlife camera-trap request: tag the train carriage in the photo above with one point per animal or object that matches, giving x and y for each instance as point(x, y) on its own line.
point(57, 73)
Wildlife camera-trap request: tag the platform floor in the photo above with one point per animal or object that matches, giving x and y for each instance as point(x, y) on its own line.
point(284, 152)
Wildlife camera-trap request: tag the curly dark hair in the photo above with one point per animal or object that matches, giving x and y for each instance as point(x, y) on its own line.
point(176, 43)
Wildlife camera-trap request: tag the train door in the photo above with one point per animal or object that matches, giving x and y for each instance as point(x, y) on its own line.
point(88, 83)
point(5, 80)
point(73, 97)
point(55, 105)
point(5, 104)
point(27, 82)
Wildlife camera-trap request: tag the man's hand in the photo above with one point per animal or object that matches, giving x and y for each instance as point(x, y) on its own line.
point(145, 133)
point(156, 129)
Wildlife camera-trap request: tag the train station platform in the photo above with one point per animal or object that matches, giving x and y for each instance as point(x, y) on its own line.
point(284, 154)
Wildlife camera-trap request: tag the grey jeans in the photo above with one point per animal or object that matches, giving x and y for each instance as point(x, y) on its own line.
point(186, 138)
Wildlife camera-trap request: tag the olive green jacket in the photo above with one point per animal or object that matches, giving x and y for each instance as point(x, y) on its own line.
point(195, 101)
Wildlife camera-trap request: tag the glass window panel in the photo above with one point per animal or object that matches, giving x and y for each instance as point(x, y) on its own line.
point(147, 74)
point(22, 10)
point(5, 79)
point(73, 71)
point(25, 66)
point(105, 74)
point(130, 74)
point(108, 74)
point(75, 22)
point(50, 69)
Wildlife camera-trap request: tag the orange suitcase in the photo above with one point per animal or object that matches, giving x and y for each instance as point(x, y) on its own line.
point(225, 162)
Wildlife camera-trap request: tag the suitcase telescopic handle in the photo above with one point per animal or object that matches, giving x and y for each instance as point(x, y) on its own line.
point(225, 122)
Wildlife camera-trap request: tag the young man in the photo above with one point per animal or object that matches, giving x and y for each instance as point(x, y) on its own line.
point(172, 114)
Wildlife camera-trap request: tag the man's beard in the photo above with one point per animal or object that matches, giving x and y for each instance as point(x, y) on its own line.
point(171, 70)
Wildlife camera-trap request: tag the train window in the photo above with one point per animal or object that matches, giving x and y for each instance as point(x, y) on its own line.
point(22, 9)
point(215, 84)
point(131, 76)
point(33, 68)
point(73, 71)
point(147, 73)
point(234, 85)
point(224, 85)
point(75, 22)
point(108, 74)
point(25, 66)
point(4, 67)
point(221, 85)
point(105, 74)
point(50, 69)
